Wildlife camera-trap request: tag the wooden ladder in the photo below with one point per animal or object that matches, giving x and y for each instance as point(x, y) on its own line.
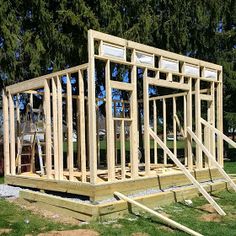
point(34, 132)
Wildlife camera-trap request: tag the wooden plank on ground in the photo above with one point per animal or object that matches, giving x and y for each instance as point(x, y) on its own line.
point(163, 218)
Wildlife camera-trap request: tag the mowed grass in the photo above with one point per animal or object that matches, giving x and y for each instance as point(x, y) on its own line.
point(230, 167)
point(15, 218)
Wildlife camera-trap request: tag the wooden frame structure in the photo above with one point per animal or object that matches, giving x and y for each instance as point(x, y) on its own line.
point(71, 93)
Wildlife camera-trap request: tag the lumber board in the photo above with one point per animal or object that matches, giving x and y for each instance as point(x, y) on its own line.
point(155, 117)
point(121, 85)
point(122, 148)
point(63, 186)
point(12, 134)
point(164, 129)
point(76, 206)
point(219, 119)
point(109, 126)
point(151, 50)
point(47, 108)
point(146, 123)
point(158, 215)
point(189, 124)
point(82, 130)
point(6, 134)
point(198, 123)
point(60, 129)
point(92, 110)
point(38, 82)
point(134, 124)
point(55, 130)
point(70, 153)
point(168, 84)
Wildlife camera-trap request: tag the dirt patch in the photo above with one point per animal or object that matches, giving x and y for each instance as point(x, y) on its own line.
point(139, 234)
point(59, 218)
point(5, 231)
point(80, 232)
point(211, 218)
point(208, 208)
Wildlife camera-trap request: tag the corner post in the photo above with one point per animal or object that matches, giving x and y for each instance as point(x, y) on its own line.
point(92, 110)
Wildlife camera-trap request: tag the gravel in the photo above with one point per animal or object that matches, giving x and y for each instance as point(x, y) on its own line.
point(7, 191)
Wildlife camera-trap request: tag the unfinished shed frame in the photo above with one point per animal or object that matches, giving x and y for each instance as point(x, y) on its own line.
point(58, 161)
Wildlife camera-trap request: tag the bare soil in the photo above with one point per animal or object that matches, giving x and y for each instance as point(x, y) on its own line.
point(59, 218)
point(208, 208)
point(211, 217)
point(5, 231)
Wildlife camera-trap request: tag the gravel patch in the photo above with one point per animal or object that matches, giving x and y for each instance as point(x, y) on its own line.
point(7, 191)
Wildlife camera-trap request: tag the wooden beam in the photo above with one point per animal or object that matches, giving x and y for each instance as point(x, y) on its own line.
point(174, 126)
point(121, 85)
point(70, 153)
point(212, 119)
point(155, 129)
point(168, 84)
point(164, 130)
point(206, 97)
point(12, 134)
point(163, 218)
point(187, 173)
point(92, 110)
point(47, 107)
point(219, 119)
point(82, 127)
point(38, 82)
point(218, 132)
point(212, 158)
point(60, 129)
point(198, 123)
point(134, 124)
point(6, 133)
point(55, 130)
point(151, 50)
point(189, 124)
point(146, 123)
point(109, 126)
point(122, 149)
point(177, 95)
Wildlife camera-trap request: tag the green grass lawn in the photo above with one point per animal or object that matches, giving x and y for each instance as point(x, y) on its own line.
point(13, 217)
point(230, 167)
